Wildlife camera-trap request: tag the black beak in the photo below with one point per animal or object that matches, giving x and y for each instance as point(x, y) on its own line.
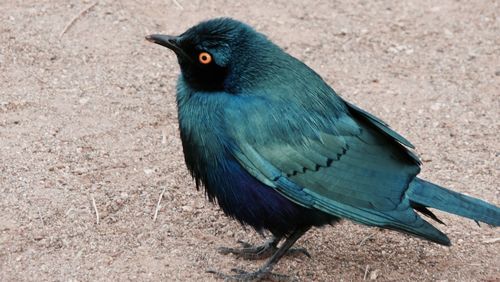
point(171, 42)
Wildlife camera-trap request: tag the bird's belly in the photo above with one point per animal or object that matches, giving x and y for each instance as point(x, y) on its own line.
point(253, 203)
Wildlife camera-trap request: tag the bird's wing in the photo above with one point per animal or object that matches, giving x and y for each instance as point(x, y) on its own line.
point(380, 124)
point(337, 163)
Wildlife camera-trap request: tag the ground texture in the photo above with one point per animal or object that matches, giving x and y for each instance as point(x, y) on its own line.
point(88, 118)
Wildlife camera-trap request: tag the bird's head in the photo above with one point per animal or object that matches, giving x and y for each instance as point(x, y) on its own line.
point(218, 54)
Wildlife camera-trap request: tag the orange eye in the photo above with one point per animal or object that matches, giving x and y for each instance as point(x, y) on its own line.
point(205, 58)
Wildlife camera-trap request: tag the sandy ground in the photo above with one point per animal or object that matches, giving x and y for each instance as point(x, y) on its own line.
point(89, 117)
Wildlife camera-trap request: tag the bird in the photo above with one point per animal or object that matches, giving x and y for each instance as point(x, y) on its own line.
point(280, 151)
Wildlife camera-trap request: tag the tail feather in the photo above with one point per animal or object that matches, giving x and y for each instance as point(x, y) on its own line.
point(431, 195)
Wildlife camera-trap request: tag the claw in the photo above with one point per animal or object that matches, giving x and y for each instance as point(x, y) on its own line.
point(245, 276)
point(251, 252)
point(239, 271)
point(244, 244)
point(298, 251)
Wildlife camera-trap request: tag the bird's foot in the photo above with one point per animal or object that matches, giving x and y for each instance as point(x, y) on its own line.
point(251, 252)
point(261, 274)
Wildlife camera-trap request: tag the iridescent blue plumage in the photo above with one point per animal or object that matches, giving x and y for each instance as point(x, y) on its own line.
point(279, 150)
point(207, 151)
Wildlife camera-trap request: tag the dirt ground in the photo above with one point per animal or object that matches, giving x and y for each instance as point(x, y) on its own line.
point(88, 122)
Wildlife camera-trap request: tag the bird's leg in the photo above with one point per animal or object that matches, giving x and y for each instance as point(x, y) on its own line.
point(265, 271)
point(251, 252)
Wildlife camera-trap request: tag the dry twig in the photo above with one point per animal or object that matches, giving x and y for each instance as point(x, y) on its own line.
point(95, 209)
point(366, 272)
point(163, 136)
point(158, 204)
point(366, 238)
point(73, 20)
point(178, 4)
point(492, 240)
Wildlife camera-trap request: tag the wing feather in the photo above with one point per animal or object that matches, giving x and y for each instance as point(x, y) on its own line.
point(343, 164)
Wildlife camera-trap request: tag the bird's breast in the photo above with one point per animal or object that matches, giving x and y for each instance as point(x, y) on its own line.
point(239, 194)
